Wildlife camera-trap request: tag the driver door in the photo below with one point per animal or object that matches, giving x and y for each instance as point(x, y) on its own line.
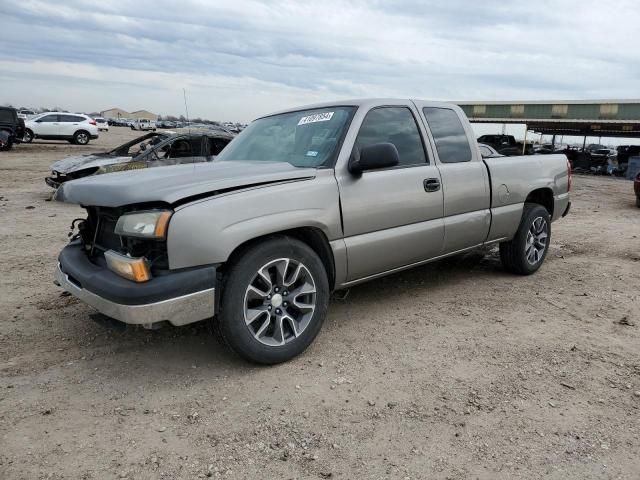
point(392, 216)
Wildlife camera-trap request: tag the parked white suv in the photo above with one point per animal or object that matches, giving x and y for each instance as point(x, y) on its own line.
point(73, 127)
point(102, 124)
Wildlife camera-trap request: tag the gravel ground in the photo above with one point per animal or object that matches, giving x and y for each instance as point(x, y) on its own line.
point(454, 370)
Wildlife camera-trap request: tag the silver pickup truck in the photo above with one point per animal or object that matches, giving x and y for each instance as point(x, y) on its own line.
point(301, 203)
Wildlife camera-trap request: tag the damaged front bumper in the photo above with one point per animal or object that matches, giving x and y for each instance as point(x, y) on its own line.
point(53, 182)
point(179, 298)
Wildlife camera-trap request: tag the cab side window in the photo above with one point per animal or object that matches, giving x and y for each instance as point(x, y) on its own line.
point(393, 125)
point(451, 140)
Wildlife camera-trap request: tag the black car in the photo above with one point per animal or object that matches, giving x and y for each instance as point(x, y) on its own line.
point(11, 128)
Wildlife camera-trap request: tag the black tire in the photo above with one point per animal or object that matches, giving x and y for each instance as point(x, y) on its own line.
point(28, 136)
point(243, 270)
point(81, 137)
point(638, 202)
point(513, 254)
point(8, 146)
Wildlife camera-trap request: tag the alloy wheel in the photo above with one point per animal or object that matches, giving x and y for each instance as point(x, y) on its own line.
point(279, 302)
point(536, 240)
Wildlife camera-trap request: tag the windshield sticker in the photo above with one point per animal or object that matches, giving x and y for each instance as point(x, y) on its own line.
point(318, 117)
point(312, 153)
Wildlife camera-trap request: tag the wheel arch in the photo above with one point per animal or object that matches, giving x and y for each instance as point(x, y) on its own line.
point(542, 196)
point(313, 237)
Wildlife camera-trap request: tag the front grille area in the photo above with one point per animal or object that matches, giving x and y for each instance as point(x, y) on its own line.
point(98, 235)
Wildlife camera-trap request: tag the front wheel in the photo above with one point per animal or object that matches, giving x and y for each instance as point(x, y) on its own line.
point(525, 253)
point(274, 300)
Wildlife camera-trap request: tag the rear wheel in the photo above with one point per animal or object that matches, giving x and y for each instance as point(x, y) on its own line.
point(526, 252)
point(81, 137)
point(274, 301)
point(28, 136)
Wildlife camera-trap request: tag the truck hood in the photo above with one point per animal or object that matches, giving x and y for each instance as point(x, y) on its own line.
point(176, 183)
point(88, 160)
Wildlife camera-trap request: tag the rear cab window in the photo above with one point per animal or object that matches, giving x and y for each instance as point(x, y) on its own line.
point(449, 135)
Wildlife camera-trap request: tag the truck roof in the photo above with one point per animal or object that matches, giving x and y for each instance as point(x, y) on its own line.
point(360, 102)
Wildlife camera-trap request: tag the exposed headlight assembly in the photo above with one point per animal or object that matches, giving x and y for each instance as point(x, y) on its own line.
point(150, 224)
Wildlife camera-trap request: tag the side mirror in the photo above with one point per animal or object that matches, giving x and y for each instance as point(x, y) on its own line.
point(373, 157)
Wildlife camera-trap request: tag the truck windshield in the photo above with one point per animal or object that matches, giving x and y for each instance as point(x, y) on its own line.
point(307, 138)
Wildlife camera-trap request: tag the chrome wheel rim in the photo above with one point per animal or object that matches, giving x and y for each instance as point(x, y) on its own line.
point(279, 302)
point(537, 237)
point(82, 138)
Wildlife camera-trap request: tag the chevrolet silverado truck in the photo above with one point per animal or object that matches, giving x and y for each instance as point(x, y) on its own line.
point(303, 202)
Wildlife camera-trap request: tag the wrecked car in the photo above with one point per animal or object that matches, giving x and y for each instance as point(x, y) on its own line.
point(155, 149)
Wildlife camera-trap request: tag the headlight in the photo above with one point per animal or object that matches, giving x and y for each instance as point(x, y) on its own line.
point(150, 224)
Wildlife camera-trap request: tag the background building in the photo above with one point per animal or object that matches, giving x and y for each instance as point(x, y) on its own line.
point(117, 113)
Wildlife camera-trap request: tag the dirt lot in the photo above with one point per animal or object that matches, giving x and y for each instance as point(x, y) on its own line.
point(454, 370)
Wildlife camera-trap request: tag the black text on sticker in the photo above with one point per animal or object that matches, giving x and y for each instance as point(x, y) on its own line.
point(318, 117)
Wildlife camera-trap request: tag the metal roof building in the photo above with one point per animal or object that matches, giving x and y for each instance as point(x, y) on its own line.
point(606, 118)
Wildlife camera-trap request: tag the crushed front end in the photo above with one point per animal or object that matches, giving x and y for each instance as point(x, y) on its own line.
point(117, 262)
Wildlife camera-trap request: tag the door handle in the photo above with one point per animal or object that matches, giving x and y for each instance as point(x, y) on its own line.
point(431, 185)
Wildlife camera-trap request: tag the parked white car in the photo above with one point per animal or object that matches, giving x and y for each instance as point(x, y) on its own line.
point(102, 124)
point(143, 124)
point(25, 114)
point(73, 127)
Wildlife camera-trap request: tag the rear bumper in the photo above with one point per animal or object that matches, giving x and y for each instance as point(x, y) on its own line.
point(561, 205)
point(179, 298)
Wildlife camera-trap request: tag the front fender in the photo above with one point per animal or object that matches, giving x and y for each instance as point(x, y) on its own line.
point(208, 231)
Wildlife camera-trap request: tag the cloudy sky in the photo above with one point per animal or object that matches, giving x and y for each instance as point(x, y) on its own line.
point(243, 58)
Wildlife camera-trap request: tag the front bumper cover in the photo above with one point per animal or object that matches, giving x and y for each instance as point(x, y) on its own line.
point(179, 298)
